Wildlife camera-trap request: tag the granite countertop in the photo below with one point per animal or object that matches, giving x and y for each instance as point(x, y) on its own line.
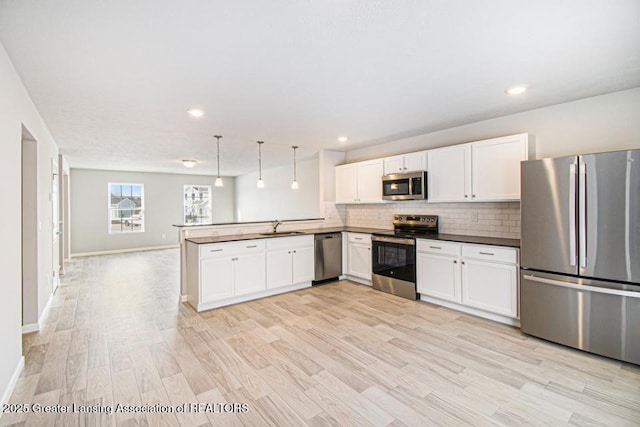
point(482, 240)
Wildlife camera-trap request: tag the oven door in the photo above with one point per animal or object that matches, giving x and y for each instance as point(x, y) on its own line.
point(394, 258)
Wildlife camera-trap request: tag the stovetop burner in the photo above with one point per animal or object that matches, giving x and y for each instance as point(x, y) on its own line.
point(414, 225)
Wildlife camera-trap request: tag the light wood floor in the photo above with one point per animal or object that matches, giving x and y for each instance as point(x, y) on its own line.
point(338, 354)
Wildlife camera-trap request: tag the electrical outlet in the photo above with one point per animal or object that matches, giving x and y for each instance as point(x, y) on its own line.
point(474, 216)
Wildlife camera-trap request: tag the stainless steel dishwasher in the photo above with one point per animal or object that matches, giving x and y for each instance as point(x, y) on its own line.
point(328, 252)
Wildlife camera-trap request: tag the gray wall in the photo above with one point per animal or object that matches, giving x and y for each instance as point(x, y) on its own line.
point(163, 206)
point(277, 200)
point(601, 123)
point(17, 110)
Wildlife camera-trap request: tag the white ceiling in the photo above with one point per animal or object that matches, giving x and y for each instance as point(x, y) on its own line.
point(113, 79)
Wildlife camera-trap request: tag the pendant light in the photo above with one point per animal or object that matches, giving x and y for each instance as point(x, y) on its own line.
point(219, 182)
point(260, 181)
point(294, 184)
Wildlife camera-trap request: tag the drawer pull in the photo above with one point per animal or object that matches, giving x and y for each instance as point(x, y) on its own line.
point(216, 250)
point(252, 246)
point(357, 238)
point(435, 247)
point(486, 253)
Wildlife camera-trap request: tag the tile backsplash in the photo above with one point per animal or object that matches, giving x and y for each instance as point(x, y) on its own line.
point(479, 219)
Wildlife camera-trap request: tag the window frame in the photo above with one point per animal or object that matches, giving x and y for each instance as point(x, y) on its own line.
point(109, 208)
point(210, 200)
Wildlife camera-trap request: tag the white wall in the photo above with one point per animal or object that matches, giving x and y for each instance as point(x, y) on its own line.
point(16, 110)
point(163, 205)
point(601, 123)
point(277, 200)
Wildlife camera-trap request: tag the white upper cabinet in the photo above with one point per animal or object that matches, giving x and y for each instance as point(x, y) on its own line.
point(347, 183)
point(406, 163)
point(496, 167)
point(449, 174)
point(359, 182)
point(484, 171)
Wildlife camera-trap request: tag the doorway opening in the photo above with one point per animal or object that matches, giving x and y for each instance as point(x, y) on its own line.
point(29, 207)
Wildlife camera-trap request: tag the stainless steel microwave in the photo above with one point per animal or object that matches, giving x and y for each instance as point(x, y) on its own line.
point(405, 186)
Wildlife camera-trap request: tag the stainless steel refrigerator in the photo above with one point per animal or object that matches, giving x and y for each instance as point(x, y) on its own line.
point(580, 252)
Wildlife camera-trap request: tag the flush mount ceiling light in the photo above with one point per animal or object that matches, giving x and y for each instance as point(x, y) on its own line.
point(517, 90)
point(189, 163)
point(260, 181)
point(343, 139)
point(195, 112)
point(219, 182)
point(294, 184)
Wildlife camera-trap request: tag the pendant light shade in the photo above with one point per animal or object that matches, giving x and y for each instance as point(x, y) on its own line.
point(294, 184)
point(218, 182)
point(260, 181)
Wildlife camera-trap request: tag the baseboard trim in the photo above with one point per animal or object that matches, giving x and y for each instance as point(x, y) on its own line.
point(12, 383)
point(357, 280)
point(123, 251)
point(473, 311)
point(35, 327)
point(31, 327)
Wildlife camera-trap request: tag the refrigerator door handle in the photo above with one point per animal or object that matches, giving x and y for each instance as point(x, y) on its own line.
point(588, 288)
point(582, 214)
point(572, 214)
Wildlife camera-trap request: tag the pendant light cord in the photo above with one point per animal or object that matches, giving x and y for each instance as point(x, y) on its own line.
point(295, 172)
point(217, 137)
point(260, 159)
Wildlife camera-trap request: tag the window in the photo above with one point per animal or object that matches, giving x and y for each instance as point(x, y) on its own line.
point(197, 204)
point(126, 208)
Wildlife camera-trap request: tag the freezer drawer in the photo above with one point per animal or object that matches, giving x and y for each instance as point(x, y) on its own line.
point(595, 316)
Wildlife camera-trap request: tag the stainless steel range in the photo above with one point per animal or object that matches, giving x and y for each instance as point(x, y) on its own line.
point(394, 254)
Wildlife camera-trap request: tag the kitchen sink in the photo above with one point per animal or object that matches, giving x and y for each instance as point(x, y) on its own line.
point(282, 233)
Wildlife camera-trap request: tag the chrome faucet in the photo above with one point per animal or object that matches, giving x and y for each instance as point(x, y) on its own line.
point(276, 223)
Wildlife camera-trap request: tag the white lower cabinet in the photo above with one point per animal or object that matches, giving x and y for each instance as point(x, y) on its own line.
point(358, 255)
point(249, 273)
point(290, 260)
point(216, 278)
point(438, 276)
point(490, 286)
point(220, 274)
point(482, 277)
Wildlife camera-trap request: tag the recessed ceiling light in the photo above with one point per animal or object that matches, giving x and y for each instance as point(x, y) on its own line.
point(189, 163)
point(196, 112)
point(343, 139)
point(517, 90)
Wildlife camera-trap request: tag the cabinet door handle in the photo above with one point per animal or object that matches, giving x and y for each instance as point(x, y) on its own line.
point(252, 246)
point(435, 247)
point(466, 196)
point(295, 252)
point(486, 253)
point(289, 252)
point(462, 263)
point(473, 195)
point(216, 250)
point(455, 262)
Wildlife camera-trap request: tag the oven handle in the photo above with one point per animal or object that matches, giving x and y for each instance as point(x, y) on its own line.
point(410, 242)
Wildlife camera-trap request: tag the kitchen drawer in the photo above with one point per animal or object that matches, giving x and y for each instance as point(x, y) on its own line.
point(359, 238)
point(490, 253)
point(289, 242)
point(438, 247)
point(232, 248)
